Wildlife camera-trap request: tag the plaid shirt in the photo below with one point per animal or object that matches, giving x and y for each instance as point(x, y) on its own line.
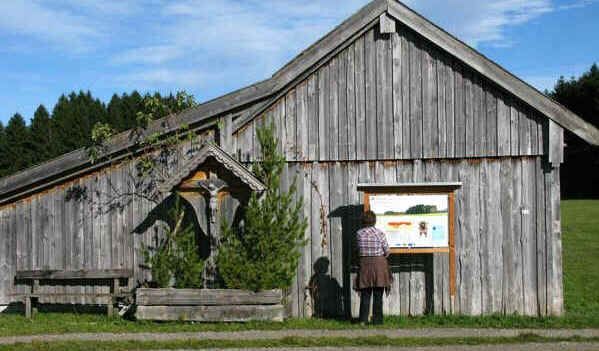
point(372, 242)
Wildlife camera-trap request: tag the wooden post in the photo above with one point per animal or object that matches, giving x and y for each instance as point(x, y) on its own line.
point(34, 289)
point(28, 306)
point(452, 267)
point(387, 23)
point(111, 300)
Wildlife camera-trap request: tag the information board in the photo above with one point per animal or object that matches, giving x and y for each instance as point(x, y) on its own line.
point(412, 220)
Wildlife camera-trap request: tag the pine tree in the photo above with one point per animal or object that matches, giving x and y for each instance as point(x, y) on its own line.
point(580, 171)
point(75, 117)
point(264, 253)
point(115, 112)
point(122, 111)
point(4, 165)
point(18, 146)
point(42, 138)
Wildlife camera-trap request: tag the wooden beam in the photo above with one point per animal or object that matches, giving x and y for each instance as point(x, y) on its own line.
point(452, 261)
point(494, 72)
point(406, 188)
point(225, 129)
point(211, 313)
point(402, 251)
point(387, 23)
point(82, 274)
point(205, 297)
point(555, 144)
point(28, 307)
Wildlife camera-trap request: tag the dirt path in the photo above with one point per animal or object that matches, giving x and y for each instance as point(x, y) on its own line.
point(269, 334)
point(520, 347)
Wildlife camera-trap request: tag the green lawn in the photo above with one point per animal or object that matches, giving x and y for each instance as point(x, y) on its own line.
point(580, 223)
point(580, 240)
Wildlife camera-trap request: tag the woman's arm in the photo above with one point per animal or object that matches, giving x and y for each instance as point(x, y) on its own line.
point(384, 243)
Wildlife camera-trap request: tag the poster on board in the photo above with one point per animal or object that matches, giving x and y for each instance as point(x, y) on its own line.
point(412, 220)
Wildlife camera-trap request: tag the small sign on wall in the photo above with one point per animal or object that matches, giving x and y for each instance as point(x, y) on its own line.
point(412, 220)
point(417, 218)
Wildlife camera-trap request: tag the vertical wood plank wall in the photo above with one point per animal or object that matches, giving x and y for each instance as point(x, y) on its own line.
point(395, 96)
point(394, 108)
point(87, 223)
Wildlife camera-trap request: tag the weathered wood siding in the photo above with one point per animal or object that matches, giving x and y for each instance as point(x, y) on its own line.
point(92, 222)
point(396, 96)
point(500, 229)
point(394, 108)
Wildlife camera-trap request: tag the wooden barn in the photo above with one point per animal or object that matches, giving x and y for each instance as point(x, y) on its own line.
point(388, 99)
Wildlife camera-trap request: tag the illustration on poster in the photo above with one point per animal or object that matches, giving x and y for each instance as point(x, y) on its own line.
point(412, 221)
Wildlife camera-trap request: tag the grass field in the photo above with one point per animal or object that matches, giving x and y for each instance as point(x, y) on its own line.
point(580, 223)
point(580, 240)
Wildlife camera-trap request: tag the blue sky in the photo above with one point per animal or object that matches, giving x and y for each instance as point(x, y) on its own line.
point(210, 47)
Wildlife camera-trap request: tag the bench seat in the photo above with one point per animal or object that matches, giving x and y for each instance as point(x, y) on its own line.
point(112, 275)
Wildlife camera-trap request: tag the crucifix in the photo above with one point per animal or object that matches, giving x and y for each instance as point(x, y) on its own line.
point(211, 187)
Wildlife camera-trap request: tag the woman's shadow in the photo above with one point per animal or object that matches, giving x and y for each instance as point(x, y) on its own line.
point(325, 291)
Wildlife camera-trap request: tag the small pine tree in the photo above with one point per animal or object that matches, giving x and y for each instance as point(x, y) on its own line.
point(264, 253)
point(176, 259)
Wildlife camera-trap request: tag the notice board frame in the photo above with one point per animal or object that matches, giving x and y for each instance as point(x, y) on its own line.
point(448, 189)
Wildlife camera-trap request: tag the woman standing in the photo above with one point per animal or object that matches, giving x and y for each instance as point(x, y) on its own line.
point(374, 276)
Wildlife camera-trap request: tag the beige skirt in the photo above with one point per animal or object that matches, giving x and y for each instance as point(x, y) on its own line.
point(374, 273)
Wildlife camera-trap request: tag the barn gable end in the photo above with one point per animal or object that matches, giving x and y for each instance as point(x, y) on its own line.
point(396, 96)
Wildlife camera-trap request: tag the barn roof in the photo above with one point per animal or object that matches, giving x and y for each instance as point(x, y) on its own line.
point(223, 158)
point(263, 94)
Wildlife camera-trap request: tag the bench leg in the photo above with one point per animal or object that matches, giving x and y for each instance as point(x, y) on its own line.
point(28, 307)
point(110, 309)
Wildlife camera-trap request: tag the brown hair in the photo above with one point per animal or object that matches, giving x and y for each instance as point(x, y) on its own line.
point(369, 218)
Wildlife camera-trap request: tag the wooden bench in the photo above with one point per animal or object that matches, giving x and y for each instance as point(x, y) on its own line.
point(81, 277)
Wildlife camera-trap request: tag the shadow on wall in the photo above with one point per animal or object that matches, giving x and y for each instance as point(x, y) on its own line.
point(325, 291)
point(18, 308)
point(351, 221)
point(196, 211)
point(160, 216)
point(160, 213)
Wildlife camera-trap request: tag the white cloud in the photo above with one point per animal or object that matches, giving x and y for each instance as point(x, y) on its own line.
point(577, 5)
point(151, 54)
point(229, 43)
point(70, 26)
point(546, 79)
point(162, 77)
point(249, 33)
point(476, 22)
point(236, 43)
point(106, 7)
point(70, 31)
